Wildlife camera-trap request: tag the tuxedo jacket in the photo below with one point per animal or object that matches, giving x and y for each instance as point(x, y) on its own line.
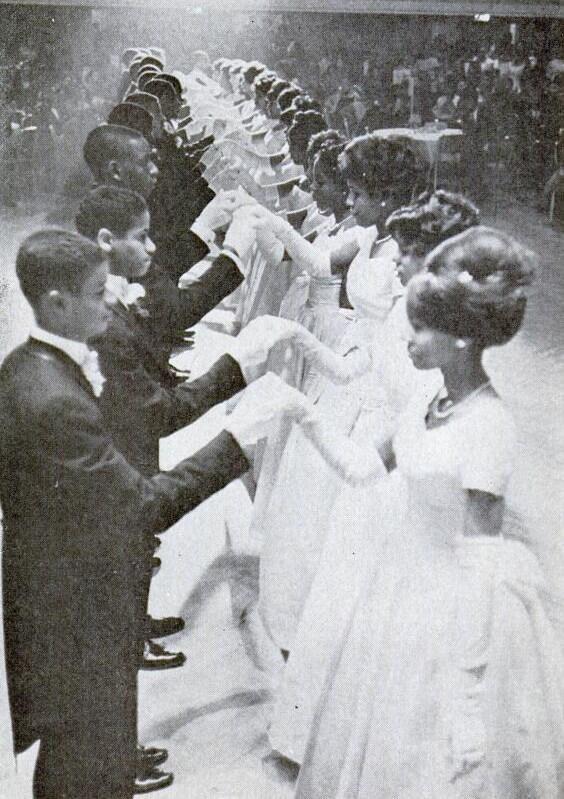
point(171, 311)
point(140, 402)
point(76, 518)
point(176, 201)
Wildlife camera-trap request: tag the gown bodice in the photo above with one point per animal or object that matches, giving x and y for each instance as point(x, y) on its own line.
point(438, 466)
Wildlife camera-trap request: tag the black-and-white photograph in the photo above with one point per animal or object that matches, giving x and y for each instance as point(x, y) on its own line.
point(281, 385)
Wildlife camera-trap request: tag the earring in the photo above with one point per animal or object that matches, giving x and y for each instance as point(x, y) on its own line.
point(460, 344)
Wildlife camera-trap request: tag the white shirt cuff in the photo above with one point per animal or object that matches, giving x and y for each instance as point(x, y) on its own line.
point(203, 232)
point(233, 256)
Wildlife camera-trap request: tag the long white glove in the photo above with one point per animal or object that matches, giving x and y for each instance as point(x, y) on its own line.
point(311, 259)
point(239, 239)
point(356, 465)
point(252, 346)
point(271, 248)
point(259, 406)
point(218, 213)
point(338, 369)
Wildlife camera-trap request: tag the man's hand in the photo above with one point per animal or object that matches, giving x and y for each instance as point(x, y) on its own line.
point(252, 346)
point(219, 211)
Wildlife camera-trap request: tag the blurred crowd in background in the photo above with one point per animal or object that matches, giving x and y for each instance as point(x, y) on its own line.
point(502, 84)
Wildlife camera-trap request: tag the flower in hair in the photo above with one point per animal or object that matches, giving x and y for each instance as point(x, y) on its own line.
point(465, 278)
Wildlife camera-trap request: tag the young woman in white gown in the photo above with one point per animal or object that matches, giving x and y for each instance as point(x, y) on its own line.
point(314, 300)
point(346, 552)
point(291, 513)
point(449, 680)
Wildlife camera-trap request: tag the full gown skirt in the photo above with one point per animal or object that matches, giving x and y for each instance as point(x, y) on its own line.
point(449, 648)
point(349, 550)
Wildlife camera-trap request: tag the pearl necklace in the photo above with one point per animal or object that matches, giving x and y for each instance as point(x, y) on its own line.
point(451, 406)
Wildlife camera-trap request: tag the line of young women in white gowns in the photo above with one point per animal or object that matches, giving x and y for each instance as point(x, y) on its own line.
point(420, 659)
point(446, 678)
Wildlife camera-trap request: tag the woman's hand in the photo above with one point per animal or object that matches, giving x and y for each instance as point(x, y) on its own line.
point(263, 219)
point(261, 404)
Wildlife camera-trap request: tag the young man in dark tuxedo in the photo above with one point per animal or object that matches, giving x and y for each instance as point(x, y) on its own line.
point(77, 517)
point(142, 399)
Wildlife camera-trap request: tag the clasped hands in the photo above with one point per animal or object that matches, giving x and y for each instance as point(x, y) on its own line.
point(254, 343)
point(219, 212)
point(259, 406)
point(248, 222)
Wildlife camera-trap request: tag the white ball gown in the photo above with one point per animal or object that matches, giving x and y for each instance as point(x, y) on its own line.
point(297, 489)
point(348, 550)
point(449, 682)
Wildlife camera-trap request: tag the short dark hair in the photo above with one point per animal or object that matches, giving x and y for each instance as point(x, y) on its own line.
point(327, 162)
point(132, 115)
point(253, 71)
point(145, 75)
point(111, 207)
point(173, 81)
point(475, 286)
point(168, 96)
point(303, 102)
point(106, 143)
point(287, 116)
point(55, 259)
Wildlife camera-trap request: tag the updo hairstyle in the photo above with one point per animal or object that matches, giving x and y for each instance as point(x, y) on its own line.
point(276, 89)
point(305, 125)
point(431, 219)
point(475, 287)
point(287, 96)
point(303, 102)
point(252, 71)
point(379, 166)
point(263, 83)
point(318, 140)
point(327, 161)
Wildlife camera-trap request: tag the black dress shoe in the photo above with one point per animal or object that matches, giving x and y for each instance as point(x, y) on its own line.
point(152, 780)
point(149, 757)
point(156, 657)
point(160, 628)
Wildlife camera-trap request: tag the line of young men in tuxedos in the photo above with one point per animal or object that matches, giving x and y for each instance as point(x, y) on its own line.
point(83, 404)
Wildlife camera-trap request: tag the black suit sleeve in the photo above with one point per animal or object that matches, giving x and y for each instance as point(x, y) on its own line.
point(107, 493)
point(136, 405)
point(173, 310)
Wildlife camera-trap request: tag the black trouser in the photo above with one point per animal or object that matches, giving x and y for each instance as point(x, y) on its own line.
point(94, 757)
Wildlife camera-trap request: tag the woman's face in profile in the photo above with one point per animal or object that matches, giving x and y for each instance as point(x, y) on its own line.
point(410, 259)
point(368, 209)
point(326, 193)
